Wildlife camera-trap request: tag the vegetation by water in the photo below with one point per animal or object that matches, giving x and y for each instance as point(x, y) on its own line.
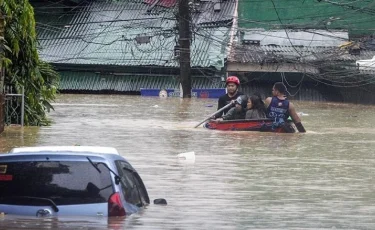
point(23, 68)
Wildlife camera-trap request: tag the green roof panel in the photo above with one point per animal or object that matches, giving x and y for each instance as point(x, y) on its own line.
point(123, 33)
point(88, 81)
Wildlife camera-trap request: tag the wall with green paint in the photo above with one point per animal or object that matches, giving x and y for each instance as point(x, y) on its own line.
point(357, 16)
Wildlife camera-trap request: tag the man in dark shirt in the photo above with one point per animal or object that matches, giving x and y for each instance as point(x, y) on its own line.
point(232, 84)
point(279, 107)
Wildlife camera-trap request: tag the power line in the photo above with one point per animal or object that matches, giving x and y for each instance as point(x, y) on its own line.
point(211, 40)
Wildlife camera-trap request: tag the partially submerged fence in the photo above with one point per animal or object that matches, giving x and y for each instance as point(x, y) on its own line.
point(2, 112)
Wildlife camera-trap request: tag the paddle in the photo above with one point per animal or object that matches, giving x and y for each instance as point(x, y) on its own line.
point(218, 111)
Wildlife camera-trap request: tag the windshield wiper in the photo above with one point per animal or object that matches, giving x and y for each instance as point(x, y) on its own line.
point(93, 164)
point(53, 204)
point(117, 178)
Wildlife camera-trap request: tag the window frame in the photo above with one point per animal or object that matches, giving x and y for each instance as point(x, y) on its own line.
point(140, 188)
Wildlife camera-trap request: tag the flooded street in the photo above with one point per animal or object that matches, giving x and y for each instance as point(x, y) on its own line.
point(240, 180)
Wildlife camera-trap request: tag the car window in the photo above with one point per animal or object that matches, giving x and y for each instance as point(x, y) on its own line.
point(142, 189)
point(133, 192)
point(64, 182)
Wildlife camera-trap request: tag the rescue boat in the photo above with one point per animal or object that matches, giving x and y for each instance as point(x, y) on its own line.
point(262, 125)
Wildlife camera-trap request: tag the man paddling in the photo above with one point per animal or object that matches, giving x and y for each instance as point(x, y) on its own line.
point(279, 108)
point(232, 84)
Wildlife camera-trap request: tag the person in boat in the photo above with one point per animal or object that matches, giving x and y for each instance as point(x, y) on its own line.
point(238, 112)
point(279, 108)
point(255, 107)
point(232, 84)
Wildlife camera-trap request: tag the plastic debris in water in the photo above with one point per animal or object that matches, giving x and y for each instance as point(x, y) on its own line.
point(155, 106)
point(187, 157)
point(302, 114)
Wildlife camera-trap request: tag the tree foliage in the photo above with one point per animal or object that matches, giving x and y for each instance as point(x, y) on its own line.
point(24, 68)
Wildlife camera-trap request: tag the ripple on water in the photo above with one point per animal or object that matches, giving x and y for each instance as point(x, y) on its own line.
point(239, 180)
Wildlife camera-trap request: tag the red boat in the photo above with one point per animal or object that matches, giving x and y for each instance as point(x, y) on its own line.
point(262, 125)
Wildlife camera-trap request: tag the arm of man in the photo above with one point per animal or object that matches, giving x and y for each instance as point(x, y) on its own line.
point(267, 102)
point(220, 104)
point(296, 118)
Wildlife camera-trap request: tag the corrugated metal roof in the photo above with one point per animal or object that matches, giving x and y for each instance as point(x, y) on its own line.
point(297, 38)
point(105, 33)
point(88, 81)
point(264, 54)
point(205, 13)
point(165, 3)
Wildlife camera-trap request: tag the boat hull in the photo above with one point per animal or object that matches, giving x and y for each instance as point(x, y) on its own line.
point(261, 125)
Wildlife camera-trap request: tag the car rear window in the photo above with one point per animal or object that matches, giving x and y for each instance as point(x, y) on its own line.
point(63, 182)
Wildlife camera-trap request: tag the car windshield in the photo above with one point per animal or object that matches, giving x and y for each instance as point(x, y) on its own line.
point(63, 182)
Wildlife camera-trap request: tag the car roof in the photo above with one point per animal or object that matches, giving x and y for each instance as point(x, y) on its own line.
point(67, 149)
point(64, 153)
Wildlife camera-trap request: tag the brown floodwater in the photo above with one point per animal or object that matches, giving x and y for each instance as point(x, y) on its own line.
point(239, 180)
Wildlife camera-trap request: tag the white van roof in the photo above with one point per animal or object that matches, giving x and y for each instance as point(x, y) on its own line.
point(91, 149)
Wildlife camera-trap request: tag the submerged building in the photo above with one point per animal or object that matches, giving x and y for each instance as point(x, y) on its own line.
point(123, 46)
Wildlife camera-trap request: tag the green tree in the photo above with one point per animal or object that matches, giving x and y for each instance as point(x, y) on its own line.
point(25, 69)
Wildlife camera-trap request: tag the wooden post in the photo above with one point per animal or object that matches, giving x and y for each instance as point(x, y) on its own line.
point(184, 43)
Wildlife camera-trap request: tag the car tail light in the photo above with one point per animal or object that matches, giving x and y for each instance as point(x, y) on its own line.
point(115, 206)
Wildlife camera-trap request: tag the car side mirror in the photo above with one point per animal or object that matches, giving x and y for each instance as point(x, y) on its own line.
point(160, 201)
point(117, 180)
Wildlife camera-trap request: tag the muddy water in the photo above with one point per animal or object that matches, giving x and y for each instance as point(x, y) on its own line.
point(240, 180)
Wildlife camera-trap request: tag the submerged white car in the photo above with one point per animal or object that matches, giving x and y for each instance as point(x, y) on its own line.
point(70, 181)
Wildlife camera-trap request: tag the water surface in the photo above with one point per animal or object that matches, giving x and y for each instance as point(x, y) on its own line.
point(240, 180)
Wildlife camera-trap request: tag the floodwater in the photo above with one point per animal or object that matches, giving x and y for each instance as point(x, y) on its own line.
point(239, 180)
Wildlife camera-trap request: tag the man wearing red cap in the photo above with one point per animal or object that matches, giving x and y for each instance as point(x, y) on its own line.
point(232, 84)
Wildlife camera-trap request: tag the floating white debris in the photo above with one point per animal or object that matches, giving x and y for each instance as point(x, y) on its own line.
point(368, 64)
point(188, 157)
point(155, 106)
point(302, 114)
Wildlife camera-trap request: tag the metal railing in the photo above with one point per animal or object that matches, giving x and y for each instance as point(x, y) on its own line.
point(14, 106)
point(2, 112)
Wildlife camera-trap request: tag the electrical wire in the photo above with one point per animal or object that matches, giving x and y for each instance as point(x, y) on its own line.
point(212, 39)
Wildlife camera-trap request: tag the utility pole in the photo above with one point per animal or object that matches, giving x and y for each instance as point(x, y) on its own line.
point(184, 43)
